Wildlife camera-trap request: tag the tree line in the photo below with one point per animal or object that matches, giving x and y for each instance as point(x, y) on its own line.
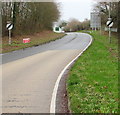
point(29, 17)
point(75, 25)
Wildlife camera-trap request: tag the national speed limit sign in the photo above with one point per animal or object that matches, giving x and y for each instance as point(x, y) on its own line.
point(9, 26)
point(109, 23)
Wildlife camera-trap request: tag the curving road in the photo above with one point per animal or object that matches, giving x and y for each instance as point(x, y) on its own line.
point(29, 75)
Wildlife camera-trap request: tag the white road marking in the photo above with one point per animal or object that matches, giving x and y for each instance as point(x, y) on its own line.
point(54, 94)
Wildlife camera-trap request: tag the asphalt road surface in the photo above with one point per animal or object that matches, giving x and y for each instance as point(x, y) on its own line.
point(29, 75)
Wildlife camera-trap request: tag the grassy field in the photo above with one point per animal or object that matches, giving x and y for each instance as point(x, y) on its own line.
point(92, 84)
point(36, 39)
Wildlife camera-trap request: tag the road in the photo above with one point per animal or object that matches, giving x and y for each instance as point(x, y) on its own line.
point(29, 75)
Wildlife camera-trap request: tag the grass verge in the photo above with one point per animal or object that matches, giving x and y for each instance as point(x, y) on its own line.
point(36, 39)
point(92, 84)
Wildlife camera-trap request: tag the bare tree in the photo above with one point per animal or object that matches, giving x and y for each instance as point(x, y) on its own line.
point(76, 25)
point(72, 25)
point(29, 17)
point(104, 8)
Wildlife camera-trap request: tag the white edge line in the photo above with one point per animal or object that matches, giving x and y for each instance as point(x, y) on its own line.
point(54, 94)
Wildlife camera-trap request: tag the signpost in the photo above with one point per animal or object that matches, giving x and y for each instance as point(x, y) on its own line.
point(9, 26)
point(109, 24)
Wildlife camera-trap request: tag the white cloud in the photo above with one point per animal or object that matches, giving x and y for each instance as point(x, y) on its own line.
point(79, 9)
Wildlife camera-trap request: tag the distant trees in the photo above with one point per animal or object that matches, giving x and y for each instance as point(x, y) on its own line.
point(76, 25)
point(29, 17)
point(85, 25)
point(62, 23)
point(72, 25)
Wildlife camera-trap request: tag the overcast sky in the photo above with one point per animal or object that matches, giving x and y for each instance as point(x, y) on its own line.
point(79, 9)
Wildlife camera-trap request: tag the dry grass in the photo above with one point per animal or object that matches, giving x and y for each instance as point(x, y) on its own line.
point(36, 39)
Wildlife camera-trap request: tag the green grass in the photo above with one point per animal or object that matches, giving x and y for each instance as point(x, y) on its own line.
point(92, 84)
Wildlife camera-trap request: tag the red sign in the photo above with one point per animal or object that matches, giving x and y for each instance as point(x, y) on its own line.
point(26, 40)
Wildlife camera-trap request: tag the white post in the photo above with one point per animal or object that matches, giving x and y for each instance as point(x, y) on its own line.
point(9, 36)
point(109, 35)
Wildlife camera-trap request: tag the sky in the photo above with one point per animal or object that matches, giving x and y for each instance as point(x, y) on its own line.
point(78, 9)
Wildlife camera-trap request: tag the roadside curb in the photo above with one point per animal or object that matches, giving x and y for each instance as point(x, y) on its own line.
point(54, 94)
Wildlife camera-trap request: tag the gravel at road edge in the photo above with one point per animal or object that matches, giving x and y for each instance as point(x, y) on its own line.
point(62, 102)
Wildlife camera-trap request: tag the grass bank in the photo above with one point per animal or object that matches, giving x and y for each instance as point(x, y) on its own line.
point(36, 39)
point(92, 84)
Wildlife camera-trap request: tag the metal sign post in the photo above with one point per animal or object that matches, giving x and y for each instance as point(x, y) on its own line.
point(9, 26)
point(109, 35)
point(9, 36)
point(109, 24)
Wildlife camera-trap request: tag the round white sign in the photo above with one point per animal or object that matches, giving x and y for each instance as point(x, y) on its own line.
point(9, 26)
point(109, 23)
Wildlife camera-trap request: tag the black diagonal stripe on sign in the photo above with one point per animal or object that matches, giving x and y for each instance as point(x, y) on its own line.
point(9, 26)
point(109, 23)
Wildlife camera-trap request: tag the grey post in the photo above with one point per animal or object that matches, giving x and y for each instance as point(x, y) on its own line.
point(9, 36)
point(109, 20)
